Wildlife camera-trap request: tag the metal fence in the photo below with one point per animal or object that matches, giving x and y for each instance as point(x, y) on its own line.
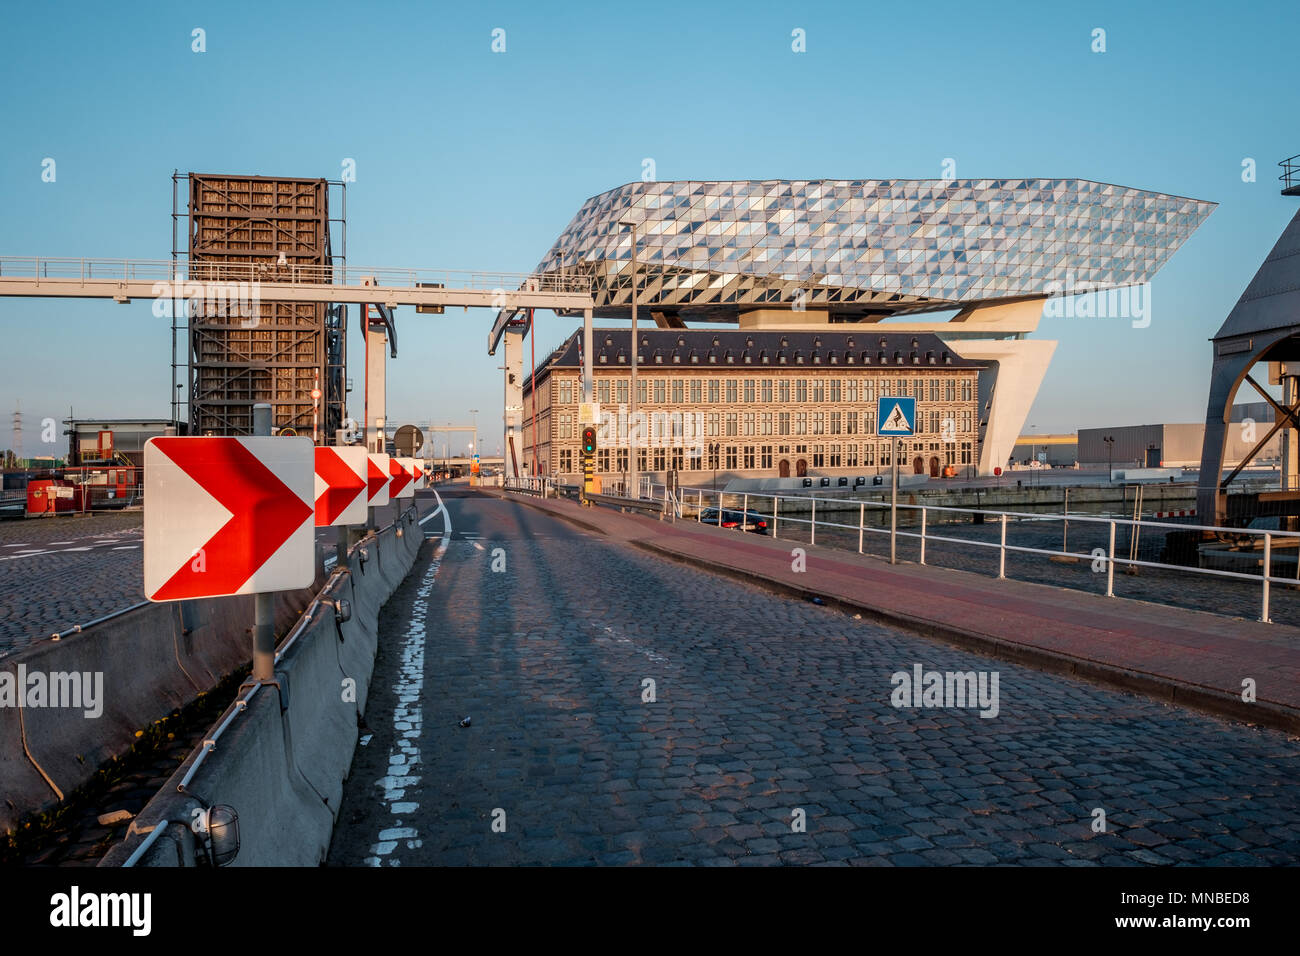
point(1102, 542)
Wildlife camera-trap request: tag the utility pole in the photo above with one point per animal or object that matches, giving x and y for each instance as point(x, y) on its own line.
point(632, 428)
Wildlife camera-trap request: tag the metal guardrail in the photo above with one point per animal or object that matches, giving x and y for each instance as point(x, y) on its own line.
point(1290, 177)
point(702, 498)
point(164, 270)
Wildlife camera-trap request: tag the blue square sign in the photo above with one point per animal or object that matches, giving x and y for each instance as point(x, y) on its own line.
point(896, 415)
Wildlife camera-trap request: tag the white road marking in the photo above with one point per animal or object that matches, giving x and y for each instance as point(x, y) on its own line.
point(479, 546)
point(126, 547)
point(407, 718)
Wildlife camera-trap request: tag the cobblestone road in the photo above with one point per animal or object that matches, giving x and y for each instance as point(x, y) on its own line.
point(764, 707)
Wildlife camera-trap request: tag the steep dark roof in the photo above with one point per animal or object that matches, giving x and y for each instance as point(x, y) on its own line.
point(663, 349)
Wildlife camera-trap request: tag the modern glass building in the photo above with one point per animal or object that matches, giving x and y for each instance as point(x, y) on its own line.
point(971, 261)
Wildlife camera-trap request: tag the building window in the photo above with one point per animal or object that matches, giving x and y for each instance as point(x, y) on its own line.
point(837, 460)
point(918, 389)
point(965, 453)
point(679, 391)
point(949, 390)
point(602, 459)
point(711, 425)
point(801, 390)
point(869, 455)
point(819, 423)
point(966, 421)
point(659, 459)
point(694, 461)
point(819, 390)
point(697, 388)
point(836, 391)
point(749, 456)
point(765, 456)
point(620, 459)
point(801, 423)
point(715, 391)
point(602, 391)
point(640, 391)
point(934, 423)
point(783, 423)
point(966, 387)
point(731, 456)
point(732, 391)
point(749, 391)
point(563, 428)
point(819, 456)
point(766, 422)
point(642, 462)
point(566, 460)
point(566, 393)
point(622, 392)
point(713, 456)
point(851, 456)
point(783, 391)
point(850, 423)
point(934, 390)
point(835, 423)
point(766, 391)
point(851, 390)
point(660, 391)
point(731, 424)
point(869, 422)
point(747, 422)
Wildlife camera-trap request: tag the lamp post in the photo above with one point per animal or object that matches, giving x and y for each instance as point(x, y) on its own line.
point(715, 450)
point(1110, 456)
point(632, 428)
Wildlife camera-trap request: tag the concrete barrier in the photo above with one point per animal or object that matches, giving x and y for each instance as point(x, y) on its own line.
point(281, 761)
point(149, 661)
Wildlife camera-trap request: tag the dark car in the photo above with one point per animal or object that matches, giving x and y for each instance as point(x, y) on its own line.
point(735, 518)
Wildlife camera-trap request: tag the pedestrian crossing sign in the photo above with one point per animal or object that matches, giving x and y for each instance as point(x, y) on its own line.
point(895, 415)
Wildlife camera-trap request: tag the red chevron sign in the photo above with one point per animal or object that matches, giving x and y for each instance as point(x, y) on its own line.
point(400, 486)
point(341, 488)
point(227, 516)
point(377, 480)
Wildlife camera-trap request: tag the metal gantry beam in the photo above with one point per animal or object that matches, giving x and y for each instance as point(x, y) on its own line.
point(125, 279)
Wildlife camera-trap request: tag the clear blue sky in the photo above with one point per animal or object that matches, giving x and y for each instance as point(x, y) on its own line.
point(468, 159)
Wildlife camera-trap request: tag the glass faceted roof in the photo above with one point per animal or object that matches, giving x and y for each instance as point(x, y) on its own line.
point(866, 245)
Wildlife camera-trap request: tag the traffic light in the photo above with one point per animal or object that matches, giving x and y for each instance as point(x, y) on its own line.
point(589, 440)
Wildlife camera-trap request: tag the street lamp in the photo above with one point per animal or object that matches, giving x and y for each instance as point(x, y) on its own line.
point(714, 450)
point(1110, 456)
point(632, 430)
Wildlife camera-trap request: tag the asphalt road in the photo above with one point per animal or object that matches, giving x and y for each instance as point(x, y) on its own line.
point(767, 713)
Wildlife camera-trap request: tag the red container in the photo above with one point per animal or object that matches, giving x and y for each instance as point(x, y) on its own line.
point(50, 496)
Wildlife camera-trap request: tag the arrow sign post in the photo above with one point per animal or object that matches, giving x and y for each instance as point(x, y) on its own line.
point(230, 516)
point(401, 485)
point(341, 493)
point(377, 479)
point(415, 470)
point(341, 487)
point(895, 418)
point(227, 516)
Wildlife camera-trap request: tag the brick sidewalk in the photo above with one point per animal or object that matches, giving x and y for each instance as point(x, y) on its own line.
point(1185, 657)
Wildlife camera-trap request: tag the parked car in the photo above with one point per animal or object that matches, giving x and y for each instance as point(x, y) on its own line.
point(735, 518)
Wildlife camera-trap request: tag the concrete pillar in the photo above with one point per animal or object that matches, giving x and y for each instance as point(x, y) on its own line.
point(376, 388)
point(512, 445)
point(587, 384)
